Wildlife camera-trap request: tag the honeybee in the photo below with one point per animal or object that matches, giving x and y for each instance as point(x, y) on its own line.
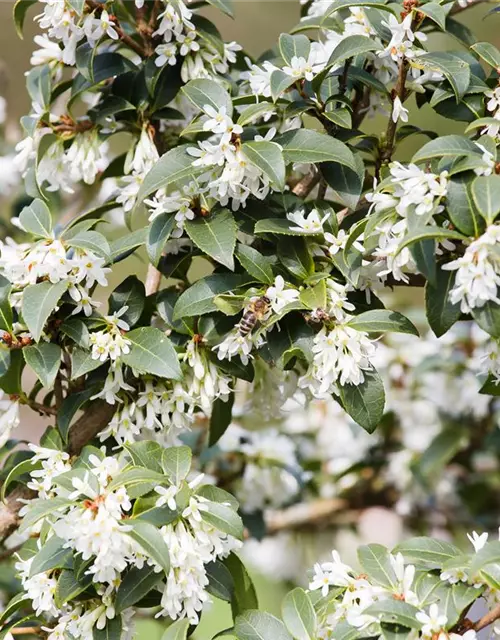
point(255, 313)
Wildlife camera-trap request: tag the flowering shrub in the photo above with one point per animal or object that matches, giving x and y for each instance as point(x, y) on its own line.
point(279, 226)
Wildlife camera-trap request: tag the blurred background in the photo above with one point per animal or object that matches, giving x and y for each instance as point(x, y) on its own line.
point(256, 27)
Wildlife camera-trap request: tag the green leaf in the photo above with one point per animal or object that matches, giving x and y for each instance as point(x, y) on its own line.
point(133, 477)
point(223, 518)
point(259, 625)
point(488, 318)
point(82, 363)
point(298, 615)
point(39, 301)
point(158, 233)
point(314, 297)
point(257, 265)
point(435, 12)
point(280, 81)
point(77, 330)
point(446, 146)
point(343, 4)
point(4, 360)
point(441, 313)
point(424, 233)
point(245, 596)
point(24, 467)
point(222, 413)
point(295, 256)
point(268, 157)
point(179, 629)
point(135, 585)
point(294, 46)
point(489, 554)
point(122, 247)
point(10, 381)
point(221, 584)
point(396, 612)
point(176, 463)
point(151, 540)
point(199, 298)
point(215, 236)
point(147, 454)
point(53, 555)
point(454, 69)
point(203, 92)
point(20, 9)
point(428, 552)
point(112, 630)
point(70, 405)
point(69, 587)
point(152, 352)
point(254, 112)
point(19, 601)
point(91, 241)
point(130, 293)
point(486, 194)
point(424, 256)
point(374, 558)
point(351, 46)
point(306, 145)
point(165, 302)
point(461, 208)
point(365, 402)
point(36, 219)
point(5, 305)
point(44, 359)
point(488, 52)
point(227, 7)
point(280, 226)
point(173, 166)
point(377, 320)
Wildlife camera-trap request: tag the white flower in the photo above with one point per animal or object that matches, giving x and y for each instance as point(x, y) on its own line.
point(478, 272)
point(478, 541)
point(9, 417)
point(235, 344)
point(312, 223)
point(433, 622)
point(167, 496)
point(299, 68)
point(338, 242)
point(398, 111)
point(279, 296)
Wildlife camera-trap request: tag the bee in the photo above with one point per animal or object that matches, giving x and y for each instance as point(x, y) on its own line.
point(254, 314)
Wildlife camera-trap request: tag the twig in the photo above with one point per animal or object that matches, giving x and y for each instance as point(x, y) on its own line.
point(399, 92)
point(487, 619)
point(94, 419)
point(304, 187)
point(22, 631)
point(39, 407)
point(124, 37)
point(153, 279)
point(304, 516)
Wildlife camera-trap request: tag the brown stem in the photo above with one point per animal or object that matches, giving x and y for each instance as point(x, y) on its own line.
point(399, 92)
point(94, 419)
point(153, 279)
point(487, 619)
point(304, 187)
point(124, 37)
point(39, 407)
point(21, 631)
point(304, 515)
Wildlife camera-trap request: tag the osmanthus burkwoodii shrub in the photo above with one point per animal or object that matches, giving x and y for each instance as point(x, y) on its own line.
point(276, 222)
